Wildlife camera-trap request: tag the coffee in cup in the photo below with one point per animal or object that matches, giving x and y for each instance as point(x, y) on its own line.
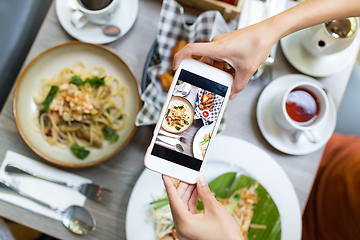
point(303, 107)
point(94, 4)
point(95, 11)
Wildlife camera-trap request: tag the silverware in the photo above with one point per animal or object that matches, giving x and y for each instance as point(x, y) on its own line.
point(90, 190)
point(181, 139)
point(75, 218)
point(176, 146)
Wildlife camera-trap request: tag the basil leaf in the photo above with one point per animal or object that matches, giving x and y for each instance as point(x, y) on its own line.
point(76, 80)
point(95, 81)
point(79, 152)
point(177, 128)
point(110, 134)
point(49, 98)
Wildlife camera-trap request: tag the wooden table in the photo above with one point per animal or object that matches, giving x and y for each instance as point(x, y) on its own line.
point(121, 172)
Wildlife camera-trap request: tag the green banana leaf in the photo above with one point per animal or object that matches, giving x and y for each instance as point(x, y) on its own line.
point(265, 210)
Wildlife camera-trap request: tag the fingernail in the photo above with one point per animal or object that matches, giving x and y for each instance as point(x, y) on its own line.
point(233, 96)
point(202, 180)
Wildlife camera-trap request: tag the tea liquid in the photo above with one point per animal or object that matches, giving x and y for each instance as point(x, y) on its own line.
point(302, 106)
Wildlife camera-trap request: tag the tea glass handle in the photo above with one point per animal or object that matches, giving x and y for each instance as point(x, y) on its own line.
point(312, 135)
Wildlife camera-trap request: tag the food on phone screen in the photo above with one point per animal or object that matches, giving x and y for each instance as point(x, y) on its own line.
point(79, 108)
point(205, 143)
point(177, 116)
point(207, 100)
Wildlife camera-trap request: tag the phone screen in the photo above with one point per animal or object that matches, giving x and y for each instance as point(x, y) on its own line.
point(189, 120)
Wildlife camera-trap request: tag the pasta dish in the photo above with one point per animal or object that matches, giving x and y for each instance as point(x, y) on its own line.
point(177, 116)
point(80, 107)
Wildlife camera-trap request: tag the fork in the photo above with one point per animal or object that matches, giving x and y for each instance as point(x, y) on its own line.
point(90, 190)
point(181, 139)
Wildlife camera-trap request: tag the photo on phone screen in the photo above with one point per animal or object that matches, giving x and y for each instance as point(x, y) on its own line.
point(189, 120)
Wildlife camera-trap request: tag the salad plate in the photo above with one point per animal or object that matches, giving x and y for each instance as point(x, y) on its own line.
point(199, 137)
point(228, 154)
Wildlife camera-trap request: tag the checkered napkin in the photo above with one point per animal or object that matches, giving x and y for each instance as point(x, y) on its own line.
point(215, 110)
point(172, 27)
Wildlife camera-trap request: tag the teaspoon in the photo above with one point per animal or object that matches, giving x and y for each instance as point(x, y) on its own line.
point(75, 218)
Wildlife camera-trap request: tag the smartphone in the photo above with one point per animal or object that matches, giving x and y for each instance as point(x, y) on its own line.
point(188, 121)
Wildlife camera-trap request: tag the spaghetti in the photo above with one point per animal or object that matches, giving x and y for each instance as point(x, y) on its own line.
point(81, 107)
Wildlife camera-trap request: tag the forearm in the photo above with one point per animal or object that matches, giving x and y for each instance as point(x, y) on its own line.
point(310, 13)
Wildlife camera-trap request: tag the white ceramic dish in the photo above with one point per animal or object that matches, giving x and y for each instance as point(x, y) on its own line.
point(199, 137)
point(228, 154)
point(320, 66)
point(48, 64)
point(179, 101)
point(280, 138)
point(124, 19)
point(182, 91)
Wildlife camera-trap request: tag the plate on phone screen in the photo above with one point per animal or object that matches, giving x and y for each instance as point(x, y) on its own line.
point(227, 154)
point(199, 136)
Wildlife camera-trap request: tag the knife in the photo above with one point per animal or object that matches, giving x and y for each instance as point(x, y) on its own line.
point(169, 140)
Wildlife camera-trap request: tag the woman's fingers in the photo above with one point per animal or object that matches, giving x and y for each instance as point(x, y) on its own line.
point(193, 202)
point(200, 49)
point(176, 204)
point(206, 196)
point(181, 189)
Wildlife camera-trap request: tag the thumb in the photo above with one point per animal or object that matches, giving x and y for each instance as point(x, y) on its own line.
point(206, 196)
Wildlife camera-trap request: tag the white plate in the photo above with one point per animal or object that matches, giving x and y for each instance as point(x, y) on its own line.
point(320, 66)
point(199, 137)
point(227, 154)
point(47, 65)
point(182, 92)
point(124, 19)
point(280, 138)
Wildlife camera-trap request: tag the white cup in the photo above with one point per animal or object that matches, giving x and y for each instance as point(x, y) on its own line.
point(82, 15)
point(283, 119)
point(331, 37)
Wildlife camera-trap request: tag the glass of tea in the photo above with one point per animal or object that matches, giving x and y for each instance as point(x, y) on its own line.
point(303, 107)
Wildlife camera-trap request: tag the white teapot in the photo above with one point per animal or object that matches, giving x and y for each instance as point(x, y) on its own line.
point(331, 37)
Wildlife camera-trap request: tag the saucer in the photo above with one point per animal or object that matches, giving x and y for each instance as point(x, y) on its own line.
point(317, 66)
point(91, 33)
point(280, 138)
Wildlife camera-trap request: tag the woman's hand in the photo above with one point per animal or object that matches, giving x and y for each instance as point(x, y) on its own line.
point(214, 223)
point(244, 49)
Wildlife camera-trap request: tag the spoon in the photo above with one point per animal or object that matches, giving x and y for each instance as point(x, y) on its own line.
point(177, 146)
point(75, 218)
point(110, 30)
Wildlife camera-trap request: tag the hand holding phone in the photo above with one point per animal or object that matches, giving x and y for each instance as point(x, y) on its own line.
point(188, 121)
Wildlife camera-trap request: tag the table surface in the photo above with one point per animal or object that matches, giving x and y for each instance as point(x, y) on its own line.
point(121, 171)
